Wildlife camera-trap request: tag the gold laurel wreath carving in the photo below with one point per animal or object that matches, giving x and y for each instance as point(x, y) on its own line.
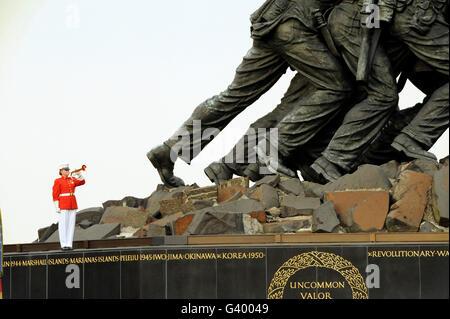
point(322, 260)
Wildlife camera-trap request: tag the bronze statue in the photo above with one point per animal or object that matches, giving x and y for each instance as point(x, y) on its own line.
point(339, 111)
point(284, 35)
point(422, 32)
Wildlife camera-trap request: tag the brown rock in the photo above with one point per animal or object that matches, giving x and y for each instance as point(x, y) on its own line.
point(204, 193)
point(182, 223)
point(410, 196)
point(168, 220)
point(126, 216)
point(227, 189)
point(172, 206)
point(153, 203)
point(259, 216)
point(361, 211)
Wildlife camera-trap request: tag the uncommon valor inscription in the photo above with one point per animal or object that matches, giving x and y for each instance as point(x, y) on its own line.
point(286, 277)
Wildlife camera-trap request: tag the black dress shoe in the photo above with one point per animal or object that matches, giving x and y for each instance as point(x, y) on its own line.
point(218, 172)
point(160, 159)
point(404, 143)
point(325, 168)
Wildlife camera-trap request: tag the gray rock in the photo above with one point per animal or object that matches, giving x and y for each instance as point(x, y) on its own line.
point(422, 166)
point(251, 225)
point(111, 203)
point(169, 241)
point(128, 201)
point(390, 169)
point(244, 206)
point(444, 162)
point(292, 186)
point(93, 214)
point(313, 189)
point(366, 177)
point(441, 194)
point(45, 233)
point(95, 232)
point(85, 224)
point(271, 180)
point(267, 195)
point(298, 205)
point(325, 218)
point(427, 227)
point(214, 223)
point(200, 203)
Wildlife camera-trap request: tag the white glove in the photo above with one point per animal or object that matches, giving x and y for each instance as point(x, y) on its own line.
point(56, 202)
point(78, 176)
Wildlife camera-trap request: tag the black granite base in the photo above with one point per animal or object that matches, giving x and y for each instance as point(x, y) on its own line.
point(253, 272)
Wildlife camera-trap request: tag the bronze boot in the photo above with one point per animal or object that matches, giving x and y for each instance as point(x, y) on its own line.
point(325, 168)
point(160, 159)
point(404, 143)
point(218, 172)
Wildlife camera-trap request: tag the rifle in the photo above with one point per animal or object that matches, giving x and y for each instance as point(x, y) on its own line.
point(323, 28)
point(369, 42)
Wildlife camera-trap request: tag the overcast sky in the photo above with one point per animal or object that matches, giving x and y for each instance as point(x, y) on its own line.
point(100, 82)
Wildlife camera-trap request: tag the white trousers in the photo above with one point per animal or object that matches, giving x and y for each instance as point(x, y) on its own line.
point(66, 227)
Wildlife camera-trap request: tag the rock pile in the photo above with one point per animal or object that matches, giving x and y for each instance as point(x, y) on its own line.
point(407, 197)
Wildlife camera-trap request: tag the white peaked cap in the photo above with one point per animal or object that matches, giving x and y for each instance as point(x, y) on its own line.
point(63, 166)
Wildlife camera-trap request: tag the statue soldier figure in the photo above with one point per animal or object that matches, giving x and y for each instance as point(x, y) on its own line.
point(422, 30)
point(284, 35)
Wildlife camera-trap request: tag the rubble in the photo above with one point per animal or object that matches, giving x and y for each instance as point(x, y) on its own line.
point(289, 225)
point(325, 219)
point(292, 205)
point(361, 210)
point(126, 216)
point(229, 188)
point(410, 196)
point(292, 186)
point(391, 197)
point(93, 215)
point(95, 232)
point(440, 193)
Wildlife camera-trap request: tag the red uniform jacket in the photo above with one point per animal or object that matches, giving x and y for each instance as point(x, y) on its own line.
point(64, 186)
